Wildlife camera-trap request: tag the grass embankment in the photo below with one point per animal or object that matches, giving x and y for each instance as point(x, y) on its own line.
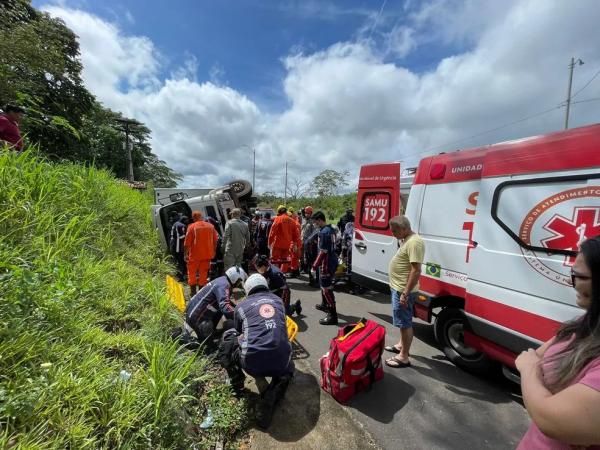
point(82, 299)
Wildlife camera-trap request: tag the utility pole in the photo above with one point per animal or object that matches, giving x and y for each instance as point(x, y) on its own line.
point(126, 124)
point(285, 191)
point(571, 66)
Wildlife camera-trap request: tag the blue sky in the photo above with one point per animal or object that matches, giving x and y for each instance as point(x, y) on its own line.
point(241, 43)
point(332, 84)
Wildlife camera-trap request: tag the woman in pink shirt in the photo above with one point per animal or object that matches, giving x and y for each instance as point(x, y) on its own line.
point(561, 379)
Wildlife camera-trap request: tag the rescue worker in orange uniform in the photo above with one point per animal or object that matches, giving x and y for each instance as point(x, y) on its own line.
point(283, 237)
point(295, 255)
point(200, 247)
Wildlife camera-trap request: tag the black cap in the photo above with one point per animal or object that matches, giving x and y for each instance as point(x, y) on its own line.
point(14, 108)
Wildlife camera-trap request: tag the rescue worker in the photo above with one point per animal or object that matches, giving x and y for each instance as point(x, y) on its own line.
point(277, 284)
point(258, 344)
point(284, 235)
point(347, 238)
point(309, 252)
point(213, 301)
point(262, 235)
point(200, 246)
point(325, 265)
point(296, 254)
point(176, 245)
point(346, 218)
point(235, 240)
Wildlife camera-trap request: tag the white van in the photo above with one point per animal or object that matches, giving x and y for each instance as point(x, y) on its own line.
point(501, 226)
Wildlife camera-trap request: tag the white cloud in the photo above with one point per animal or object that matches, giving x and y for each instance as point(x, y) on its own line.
point(348, 105)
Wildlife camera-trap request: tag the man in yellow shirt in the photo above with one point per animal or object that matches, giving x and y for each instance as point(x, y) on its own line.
point(404, 271)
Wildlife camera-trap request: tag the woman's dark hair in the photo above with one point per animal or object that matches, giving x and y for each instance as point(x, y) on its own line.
point(585, 331)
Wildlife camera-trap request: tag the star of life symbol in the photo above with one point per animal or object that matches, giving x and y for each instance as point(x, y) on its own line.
point(568, 234)
point(566, 228)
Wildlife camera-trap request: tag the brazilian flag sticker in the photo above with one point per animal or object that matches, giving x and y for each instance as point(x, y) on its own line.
point(433, 270)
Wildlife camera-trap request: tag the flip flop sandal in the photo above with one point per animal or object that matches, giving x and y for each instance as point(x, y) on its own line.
point(392, 348)
point(396, 363)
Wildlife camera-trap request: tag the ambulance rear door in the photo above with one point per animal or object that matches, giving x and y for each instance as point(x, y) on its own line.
point(378, 201)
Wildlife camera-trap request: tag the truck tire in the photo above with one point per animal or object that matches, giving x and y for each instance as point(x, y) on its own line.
point(242, 188)
point(448, 330)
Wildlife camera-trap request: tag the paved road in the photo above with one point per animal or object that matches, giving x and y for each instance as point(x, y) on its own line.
point(431, 405)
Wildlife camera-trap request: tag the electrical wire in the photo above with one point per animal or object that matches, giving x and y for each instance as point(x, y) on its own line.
point(468, 138)
point(585, 85)
point(541, 113)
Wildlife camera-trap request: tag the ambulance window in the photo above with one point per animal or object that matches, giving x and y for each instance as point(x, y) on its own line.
point(550, 214)
point(375, 210)
point(403, 202)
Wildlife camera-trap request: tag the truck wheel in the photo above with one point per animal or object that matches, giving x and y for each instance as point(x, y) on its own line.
point(448, 330)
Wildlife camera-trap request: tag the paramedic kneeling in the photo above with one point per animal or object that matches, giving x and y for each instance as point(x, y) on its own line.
point(258, 344)
point(204, 311)
point(404, 270)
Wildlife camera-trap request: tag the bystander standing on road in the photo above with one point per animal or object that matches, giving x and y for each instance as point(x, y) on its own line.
point(560, 380)
point(10, 121)
point(235, 240)
point(404, 271)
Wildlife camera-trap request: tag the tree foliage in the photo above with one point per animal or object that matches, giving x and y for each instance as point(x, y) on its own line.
point(40, 69)
point(329, 182)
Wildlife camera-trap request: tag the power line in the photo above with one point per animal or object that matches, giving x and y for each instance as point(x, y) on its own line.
point(586, 84)
point(487, 131)
point(587, 100)
point(541, 113)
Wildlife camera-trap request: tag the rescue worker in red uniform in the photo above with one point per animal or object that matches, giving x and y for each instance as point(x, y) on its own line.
point(284, 235)
point(200, 245)
point(295, 255)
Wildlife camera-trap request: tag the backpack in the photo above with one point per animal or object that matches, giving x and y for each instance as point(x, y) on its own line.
point(353, 362)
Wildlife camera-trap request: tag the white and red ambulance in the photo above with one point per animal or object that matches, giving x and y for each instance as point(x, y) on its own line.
point(501, 226)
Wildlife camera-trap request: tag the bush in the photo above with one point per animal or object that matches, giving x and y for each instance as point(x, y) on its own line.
point(86, 357)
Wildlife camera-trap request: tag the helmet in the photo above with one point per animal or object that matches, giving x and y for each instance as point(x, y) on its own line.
point(308, 209)
point(291, 210)
point(254, 282)
point(281, 209)
point(236, 275)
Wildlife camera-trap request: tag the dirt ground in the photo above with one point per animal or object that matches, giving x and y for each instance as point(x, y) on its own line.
point(308, 418)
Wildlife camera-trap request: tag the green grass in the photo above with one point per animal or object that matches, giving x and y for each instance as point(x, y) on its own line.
point(81, 298)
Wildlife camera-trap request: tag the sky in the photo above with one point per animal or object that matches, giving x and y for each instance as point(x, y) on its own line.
point(333, 84)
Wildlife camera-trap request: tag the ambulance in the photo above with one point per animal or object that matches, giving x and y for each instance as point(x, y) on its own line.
point(501, 226)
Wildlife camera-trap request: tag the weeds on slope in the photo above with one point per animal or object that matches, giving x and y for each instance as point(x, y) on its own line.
point(85, 356)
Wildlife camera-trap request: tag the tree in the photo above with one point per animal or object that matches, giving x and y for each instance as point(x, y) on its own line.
point(297, 188)
point(329, 182)
point(40, 69)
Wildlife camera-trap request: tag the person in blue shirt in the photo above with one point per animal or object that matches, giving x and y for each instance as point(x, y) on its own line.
point(258, 344)
point(277, 284)
point(326, 264)
point(204, 311)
